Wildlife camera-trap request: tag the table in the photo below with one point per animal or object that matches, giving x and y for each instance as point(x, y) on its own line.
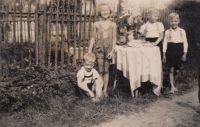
point(140, 65)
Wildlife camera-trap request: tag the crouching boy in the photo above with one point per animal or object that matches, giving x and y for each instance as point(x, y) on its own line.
point(89, 79)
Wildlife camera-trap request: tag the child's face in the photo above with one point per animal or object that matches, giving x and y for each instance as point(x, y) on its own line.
point(88, 65)
point(153, 17)
point(174, 23)
point(105, 12)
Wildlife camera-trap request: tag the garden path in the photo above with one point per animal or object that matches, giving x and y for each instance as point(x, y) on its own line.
point(182, 111)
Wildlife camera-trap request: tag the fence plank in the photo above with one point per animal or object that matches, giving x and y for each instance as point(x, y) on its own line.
point(84, 39)
point(80, 29)
point(89, 32)
point(21, 36)
point(6, 40)
point(50, 35)
point(14, 22)
point(44, 34)
point(57, 31)
point(36, 34)
point(29, 36)
point(75, 11)
point(68, 31)
point(14, 28)
point(62, 37)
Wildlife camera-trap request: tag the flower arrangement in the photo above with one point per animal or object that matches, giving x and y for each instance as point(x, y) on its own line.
point(132, 17)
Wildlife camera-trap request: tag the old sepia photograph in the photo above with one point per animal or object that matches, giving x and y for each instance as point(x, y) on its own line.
point(99, 63)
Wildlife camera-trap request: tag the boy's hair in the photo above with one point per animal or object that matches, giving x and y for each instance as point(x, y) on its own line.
point(89, 57)
point(173, 16)
point(153, 11)
point(100, 7)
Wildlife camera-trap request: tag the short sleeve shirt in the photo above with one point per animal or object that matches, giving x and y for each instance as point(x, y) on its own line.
point(152, 29)
point(88, 77)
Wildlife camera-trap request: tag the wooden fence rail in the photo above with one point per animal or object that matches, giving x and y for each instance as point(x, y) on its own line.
point(52, 35)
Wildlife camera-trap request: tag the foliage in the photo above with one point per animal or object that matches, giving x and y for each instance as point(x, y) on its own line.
point(34, 85)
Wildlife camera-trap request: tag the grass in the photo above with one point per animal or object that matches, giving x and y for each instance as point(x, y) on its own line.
point(59, 106)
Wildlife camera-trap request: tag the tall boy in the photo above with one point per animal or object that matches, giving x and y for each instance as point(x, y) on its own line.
point(175, 48)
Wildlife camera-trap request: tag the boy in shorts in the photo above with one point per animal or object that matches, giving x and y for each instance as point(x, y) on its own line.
point(89, 79)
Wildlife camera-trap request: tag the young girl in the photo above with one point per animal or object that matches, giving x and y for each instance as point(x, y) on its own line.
point(102, 43)
point(175, 47)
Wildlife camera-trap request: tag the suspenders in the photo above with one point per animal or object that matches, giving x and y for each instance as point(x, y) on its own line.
point(170, 35)
point(88, 77)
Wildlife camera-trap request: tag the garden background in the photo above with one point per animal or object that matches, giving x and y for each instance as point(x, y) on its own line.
point(41, 50)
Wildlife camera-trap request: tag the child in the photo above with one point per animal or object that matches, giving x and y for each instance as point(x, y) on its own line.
point(87, 77)
point(102, 43)
point(153, 30)
point(175, 47)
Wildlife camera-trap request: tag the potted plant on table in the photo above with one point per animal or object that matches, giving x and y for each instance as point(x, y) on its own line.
point(131, 15)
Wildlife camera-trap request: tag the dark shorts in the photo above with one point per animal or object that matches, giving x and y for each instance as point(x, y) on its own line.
point(152, 40)
point(174, 55)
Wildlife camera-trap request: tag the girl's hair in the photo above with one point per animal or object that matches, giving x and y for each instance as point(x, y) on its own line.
point(153, 11)
point(100, 7)
point(173, 16)
point(89, 57)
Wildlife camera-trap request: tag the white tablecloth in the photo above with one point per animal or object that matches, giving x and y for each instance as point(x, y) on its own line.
point(140, 65)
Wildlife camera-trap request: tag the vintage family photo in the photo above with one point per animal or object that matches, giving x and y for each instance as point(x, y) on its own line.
point(99, 63)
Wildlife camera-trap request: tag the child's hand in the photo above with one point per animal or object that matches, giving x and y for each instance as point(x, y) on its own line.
point(184, 57)
point(110, 55)
point(164, 59)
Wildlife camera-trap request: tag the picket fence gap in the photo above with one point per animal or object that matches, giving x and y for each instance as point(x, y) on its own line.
point(56, 35)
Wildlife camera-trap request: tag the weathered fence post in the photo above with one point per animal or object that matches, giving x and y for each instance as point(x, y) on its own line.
point(62, 39)
point(57, 37)
point(36, 34)
point(42, 31)
point(68, 31)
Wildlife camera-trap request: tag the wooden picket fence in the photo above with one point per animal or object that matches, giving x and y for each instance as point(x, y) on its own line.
point(55, 35)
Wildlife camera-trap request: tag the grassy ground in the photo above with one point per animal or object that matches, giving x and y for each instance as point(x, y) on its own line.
point(24, 103)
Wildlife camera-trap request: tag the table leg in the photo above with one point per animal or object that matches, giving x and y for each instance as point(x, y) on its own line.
point(136, 93)
point(115, 74)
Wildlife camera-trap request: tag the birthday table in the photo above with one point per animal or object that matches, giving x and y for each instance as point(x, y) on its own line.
point(140, 64)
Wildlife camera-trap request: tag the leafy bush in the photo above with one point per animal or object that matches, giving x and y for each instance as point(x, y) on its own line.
point(33, 86)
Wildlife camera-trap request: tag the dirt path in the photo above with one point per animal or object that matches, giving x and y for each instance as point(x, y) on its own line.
point(177, 111)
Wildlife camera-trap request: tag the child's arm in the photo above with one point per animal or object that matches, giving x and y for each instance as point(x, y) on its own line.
point(165, 47)
point(83, 86)
point(93, 35)
point(142, 30)
point(114, 34)
point(159, 38)
point(185, 46)
point(161, 33)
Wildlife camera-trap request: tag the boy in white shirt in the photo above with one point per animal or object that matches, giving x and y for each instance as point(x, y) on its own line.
point(175, 48)
point(153, 30)
point(89, 79)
